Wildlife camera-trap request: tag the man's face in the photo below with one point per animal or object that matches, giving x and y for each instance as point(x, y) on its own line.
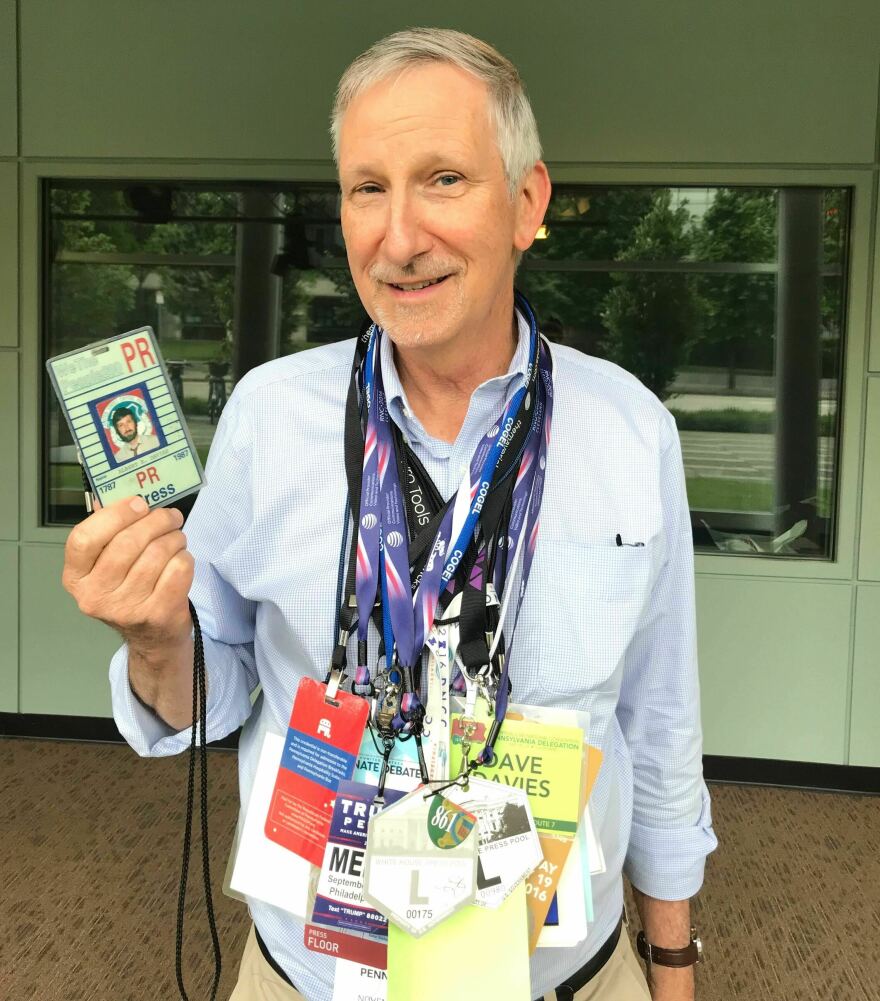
point(424, 197)
point(126, 428)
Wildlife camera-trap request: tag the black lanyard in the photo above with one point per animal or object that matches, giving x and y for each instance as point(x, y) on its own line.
point(425, 508)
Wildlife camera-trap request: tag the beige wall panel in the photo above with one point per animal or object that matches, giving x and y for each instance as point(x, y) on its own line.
point(8, 448)
point(773, 668)
point(874, 318)
point(630, 81)
point(9, 627)
point(869, 536)
point(64, 655)
point(864, 746)
point(8, 80)
point(8, 254)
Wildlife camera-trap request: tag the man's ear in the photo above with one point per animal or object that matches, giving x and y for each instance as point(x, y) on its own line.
point(533, 198)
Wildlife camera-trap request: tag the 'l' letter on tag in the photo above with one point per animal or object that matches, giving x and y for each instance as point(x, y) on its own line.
point(421, 863)
point(320, 751)
point(509, 847)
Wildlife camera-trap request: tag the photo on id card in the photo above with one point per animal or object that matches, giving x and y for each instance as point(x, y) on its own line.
point(125, 420)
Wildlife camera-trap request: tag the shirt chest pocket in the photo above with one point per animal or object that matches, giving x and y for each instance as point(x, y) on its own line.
point(583, 606)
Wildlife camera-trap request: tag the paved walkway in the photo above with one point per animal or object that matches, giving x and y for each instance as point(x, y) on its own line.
point(741, 456)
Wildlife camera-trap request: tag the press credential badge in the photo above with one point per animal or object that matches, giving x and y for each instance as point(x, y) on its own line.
point(320, 750)
point(339, 902)
point(509, 847)
point(125, 420)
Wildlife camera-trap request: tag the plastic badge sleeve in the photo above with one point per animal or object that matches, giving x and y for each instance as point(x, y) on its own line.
point(319, 751)
point(126, 421)
point(264, 869)
point(421, 862)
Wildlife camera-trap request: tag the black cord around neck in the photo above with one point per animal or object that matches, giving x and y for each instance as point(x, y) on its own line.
point(199, 708)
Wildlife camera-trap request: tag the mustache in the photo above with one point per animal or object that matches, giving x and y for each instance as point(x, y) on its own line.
point(428, 272)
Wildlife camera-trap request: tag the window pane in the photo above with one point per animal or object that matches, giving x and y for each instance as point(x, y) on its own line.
point(228, 276)
point(727, 302)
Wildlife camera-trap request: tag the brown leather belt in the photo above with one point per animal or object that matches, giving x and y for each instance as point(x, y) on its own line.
point(564, 992)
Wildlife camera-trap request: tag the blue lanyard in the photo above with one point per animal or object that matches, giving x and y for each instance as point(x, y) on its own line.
point(382, 555)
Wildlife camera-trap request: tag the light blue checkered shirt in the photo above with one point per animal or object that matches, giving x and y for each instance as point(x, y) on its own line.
point(605, 628)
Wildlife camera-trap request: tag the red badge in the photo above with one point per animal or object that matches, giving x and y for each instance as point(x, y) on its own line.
point(338, 945)
point(323, 739)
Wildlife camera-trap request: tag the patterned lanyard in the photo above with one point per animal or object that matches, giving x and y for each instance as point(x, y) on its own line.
point(382, 550)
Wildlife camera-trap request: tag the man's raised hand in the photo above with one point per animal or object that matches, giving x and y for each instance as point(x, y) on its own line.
point(129, 567)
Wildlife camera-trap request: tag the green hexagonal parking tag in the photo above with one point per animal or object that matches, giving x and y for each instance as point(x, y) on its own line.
point(421, 861)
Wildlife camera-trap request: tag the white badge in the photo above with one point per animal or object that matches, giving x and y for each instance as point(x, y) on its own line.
point(509, 848)
point(442, 643)
point(264, 869)
point(354, 980)
point(421, 863)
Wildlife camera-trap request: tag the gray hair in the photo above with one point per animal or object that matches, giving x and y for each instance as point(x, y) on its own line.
point(509, 108)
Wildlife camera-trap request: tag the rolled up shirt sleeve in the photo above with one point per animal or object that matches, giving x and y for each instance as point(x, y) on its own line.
point(659, 711)
point(219, 521)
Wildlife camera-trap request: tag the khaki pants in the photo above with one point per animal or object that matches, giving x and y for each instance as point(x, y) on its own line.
point(620, 979)
point(257, 981)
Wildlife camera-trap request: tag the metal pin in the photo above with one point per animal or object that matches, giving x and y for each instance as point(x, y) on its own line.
point(333, 685)
point(386, 756)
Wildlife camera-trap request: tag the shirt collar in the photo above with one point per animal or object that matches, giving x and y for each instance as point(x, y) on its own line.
point(500, 386)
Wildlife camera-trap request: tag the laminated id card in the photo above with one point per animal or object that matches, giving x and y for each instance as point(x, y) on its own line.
point(125, 420)
point(320, 751)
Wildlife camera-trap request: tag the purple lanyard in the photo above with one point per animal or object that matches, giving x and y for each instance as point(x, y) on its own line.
point(383, 541)
point(527, 496)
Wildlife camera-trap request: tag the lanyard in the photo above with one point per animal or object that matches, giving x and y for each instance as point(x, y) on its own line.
point(383, 551)
point(413, 551)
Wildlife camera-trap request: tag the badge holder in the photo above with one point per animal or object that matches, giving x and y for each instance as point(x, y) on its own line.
point(262, 869)
point(323, 739)
point(421, 862)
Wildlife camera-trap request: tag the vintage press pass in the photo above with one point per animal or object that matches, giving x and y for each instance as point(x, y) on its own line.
point(125, 420)
point(320, 749)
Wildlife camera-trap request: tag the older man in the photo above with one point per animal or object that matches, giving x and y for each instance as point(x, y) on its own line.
point(442, 188)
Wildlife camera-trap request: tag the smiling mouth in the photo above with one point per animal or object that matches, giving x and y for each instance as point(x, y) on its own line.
point(416, 286)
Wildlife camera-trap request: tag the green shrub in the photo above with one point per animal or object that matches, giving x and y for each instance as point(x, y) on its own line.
point(733, 420)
